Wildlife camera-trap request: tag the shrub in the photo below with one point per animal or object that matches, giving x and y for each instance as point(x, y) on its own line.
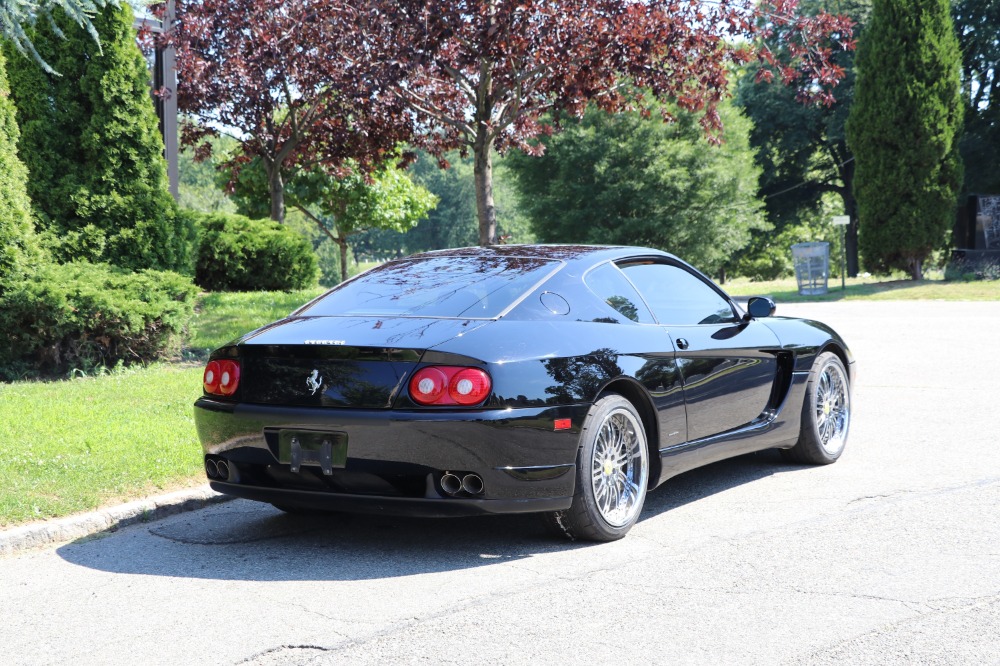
point(98, 180)
point(970, 270)
point(82, 316)
point(236, 253)
point(17, 244)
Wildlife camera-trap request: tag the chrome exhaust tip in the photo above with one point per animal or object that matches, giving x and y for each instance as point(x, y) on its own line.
point(211, 469)
point(450, 483)
point(223, 468)
point(473, 484)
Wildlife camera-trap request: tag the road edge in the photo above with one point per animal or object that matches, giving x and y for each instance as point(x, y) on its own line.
point(23, 538)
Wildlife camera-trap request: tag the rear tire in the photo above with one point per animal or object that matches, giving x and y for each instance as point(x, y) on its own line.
point(612, 474)
point(826, 414)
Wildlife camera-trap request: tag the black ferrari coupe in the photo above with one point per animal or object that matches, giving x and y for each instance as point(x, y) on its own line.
point(564, 380)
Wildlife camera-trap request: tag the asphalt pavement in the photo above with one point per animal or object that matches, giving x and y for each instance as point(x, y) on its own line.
point(889, 556)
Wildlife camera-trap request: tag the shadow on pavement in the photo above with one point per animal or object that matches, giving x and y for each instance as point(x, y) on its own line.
point(243, 540)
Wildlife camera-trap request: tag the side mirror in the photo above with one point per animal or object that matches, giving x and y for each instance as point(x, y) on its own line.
point(761, 306)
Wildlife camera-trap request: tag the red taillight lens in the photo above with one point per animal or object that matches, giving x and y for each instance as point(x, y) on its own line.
point(222, 377)
point(449, 385)
point(212, 375)
point(469, 386)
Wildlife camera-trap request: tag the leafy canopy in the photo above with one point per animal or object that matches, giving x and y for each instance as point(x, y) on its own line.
point(630, 179)
point(15, 15)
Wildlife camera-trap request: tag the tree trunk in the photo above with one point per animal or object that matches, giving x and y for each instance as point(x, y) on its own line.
point(916, 269)
point(483, 169)
point(851, 209)
point(277, 187)
point(342, 243)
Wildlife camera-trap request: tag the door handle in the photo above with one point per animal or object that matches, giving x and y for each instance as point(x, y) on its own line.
point(682, 343)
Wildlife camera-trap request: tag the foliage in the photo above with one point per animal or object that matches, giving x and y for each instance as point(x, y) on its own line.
point(630, 179)
point(969, 270)
point(768, 256)
point(80, 316)
point(347, 204)
point(977, 23)
point(93, 150)
point(18, 247)
point(480, 76)
point(15, 15)
point(199, 186)
point(802, 149)
point(904, 129)
point(281, 76)
point(236, 253)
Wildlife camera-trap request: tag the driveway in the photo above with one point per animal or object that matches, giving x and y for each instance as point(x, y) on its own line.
point(890, 556)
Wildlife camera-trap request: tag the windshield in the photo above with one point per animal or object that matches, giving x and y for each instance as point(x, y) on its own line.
point(467, 287)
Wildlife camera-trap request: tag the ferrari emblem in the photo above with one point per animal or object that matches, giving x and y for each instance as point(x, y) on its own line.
point(314, 381)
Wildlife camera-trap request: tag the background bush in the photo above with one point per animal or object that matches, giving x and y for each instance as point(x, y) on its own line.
point(81, 316)
point(236, 253)
point(969, 270)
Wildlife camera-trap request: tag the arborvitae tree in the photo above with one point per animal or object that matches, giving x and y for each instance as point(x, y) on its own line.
point(17, 242)
point(98, 177)
point(904, 129)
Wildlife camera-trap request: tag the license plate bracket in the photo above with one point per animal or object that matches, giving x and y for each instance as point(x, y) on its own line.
point(312, 448)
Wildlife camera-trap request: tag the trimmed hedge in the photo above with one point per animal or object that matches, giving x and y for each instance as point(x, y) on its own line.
point(236, 253)
point(80, 316)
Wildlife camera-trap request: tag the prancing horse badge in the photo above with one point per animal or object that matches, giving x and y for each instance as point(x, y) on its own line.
point(314, 382)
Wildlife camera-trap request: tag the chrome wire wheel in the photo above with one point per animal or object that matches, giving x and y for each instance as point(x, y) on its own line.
point(833, 408)
point(826, 413)
point(619, 468)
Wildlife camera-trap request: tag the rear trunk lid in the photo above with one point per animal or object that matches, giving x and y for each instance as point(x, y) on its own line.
point(349, 362)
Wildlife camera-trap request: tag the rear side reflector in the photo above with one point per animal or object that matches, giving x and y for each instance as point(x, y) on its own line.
point(439, 385)
point(221, 377)
point(563, 424)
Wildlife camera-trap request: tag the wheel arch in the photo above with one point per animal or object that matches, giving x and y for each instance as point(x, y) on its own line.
point(632, 391)
point(841, 353)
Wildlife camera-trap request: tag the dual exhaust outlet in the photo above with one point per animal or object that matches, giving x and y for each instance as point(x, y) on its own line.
point(453, 484)
point(217, 469)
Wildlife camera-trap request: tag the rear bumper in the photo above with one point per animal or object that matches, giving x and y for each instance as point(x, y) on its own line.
point(397, 506)
point(395, 459)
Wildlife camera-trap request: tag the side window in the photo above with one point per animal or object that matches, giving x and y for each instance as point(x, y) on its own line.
point(608, 283)
point(677, 296)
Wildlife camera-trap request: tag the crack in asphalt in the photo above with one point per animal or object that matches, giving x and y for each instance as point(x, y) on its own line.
point(973, 603)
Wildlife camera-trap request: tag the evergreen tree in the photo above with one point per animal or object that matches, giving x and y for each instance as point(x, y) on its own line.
point(17, 243)
point(904, 129)
point(631, 179)
point(98, 177)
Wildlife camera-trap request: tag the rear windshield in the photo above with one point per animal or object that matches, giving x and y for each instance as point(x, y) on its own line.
point(467, 287)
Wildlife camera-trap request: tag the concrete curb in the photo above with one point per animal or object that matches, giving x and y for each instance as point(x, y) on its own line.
point(62, 530)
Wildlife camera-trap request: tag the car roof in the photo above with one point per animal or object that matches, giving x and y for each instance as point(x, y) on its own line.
point(571, 254)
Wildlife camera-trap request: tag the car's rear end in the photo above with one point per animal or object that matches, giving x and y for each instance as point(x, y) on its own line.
point(355, 403)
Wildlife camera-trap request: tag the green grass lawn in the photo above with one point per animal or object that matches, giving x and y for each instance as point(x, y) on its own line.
point(74, 445)
point(870, 289)
point(225, 316)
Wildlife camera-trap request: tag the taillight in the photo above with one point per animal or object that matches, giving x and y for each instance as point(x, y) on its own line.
point(222, 377)
point(449, 385)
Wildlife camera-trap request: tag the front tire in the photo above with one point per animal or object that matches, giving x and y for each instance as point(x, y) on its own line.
point(826, 413)
point(612, 474)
